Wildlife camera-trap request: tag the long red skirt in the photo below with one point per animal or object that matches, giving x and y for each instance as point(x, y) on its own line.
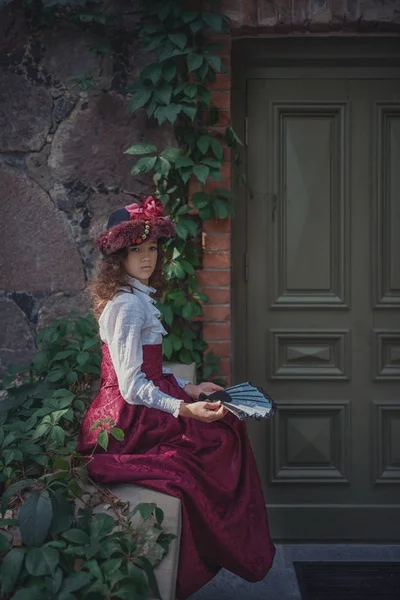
point(209, 466)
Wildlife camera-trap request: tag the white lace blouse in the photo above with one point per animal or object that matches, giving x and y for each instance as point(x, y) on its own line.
point(128, 322)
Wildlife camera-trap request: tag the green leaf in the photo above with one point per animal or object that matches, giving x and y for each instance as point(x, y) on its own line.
point(35, 517)
point(152, 72)
point(188, 312)
point(221, 208)
point(93, 567)
point(91, 343)
point(213, 20)
point(139, 99)
point(177, 270)
point(41, 561)
point(171, 154)
point(197, 25)
point(76, 536)
point(137, 149)
point(203, 143)
point(14, 489)
point(190, 111)
point(145, 509)
point(148, 569)
point(56, 375)
point(167, 113)
point(72, 376)
point(183, 210)
point(164, 92)
point(75, 581)
point(41, 359)
point(179, 39)
point(144, 165)
point(110, 566)
point(168, 347)
point(102, 439)
point(117, 433)
point(201, 172)
point(163, 166)
point(31, 593)
point(181, 229)
point(183, 161)
point(192, 227)
point(64, 354)
point(151, 107)
point(4, 544)
point(191, 90)
point(211, 162)
point(63, 513)
point(176, 342)
point(185, 356)
point(194, 61)
point(58, 435)
point(204, 94)
point(41, 431)
point(54, 582)
point(164, 11)
point(168, 315)
point(169, 72)
point(167, 51)
point(206, 213)
point(214, 61)
point(201, 199)
point(189, 16)
point(101, 526)
point(10, 569)
point(159, 515)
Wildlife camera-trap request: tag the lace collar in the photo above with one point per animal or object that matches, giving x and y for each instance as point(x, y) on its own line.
point(141, 287)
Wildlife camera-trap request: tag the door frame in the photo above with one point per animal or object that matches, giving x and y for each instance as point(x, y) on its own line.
point(333, 56)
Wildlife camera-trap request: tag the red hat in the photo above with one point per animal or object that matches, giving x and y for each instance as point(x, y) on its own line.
point(134, 224)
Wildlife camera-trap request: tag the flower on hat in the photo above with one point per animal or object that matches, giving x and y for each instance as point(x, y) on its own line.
point(150, 209)
point(153, 208)
point(135, 210)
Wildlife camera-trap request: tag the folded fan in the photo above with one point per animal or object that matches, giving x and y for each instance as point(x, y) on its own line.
point(244, 400)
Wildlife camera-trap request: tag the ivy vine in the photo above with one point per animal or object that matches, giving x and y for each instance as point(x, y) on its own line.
point(174, 89)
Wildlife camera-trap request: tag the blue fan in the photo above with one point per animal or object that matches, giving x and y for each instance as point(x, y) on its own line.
point(244, 400)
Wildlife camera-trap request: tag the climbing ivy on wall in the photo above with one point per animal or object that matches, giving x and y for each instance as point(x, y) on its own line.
point(174, 89)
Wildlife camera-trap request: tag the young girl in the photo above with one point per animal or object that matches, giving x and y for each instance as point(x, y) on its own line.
point(173, 443)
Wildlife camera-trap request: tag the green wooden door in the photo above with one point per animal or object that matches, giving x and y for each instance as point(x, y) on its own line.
point(323, 302)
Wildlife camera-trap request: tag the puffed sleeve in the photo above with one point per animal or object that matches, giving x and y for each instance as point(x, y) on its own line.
point(122, 326)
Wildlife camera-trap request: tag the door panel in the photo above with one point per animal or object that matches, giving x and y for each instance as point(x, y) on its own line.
point(323, 294)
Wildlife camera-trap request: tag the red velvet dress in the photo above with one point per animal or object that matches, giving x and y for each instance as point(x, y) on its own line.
point(209, 466)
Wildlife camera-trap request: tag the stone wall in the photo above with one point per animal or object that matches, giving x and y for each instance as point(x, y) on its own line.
point(62, 166)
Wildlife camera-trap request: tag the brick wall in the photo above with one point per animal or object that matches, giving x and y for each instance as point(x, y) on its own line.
point(257, 18)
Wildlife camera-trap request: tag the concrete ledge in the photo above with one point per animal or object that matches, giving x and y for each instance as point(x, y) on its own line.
point(166, 571)
point(183, 371)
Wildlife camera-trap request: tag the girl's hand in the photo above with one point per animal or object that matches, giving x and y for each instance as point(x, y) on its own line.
point(203, 388)
point(203, 411)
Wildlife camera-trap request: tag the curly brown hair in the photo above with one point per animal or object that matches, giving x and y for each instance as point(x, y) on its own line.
point(111, 276)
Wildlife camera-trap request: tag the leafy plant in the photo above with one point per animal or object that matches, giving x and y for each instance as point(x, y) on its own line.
point(174, 88)
point(50, 547)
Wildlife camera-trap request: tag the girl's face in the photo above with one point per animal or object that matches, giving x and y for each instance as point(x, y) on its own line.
point(141, 261)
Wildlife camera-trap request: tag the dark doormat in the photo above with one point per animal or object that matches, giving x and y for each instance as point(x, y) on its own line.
point(348, 580)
